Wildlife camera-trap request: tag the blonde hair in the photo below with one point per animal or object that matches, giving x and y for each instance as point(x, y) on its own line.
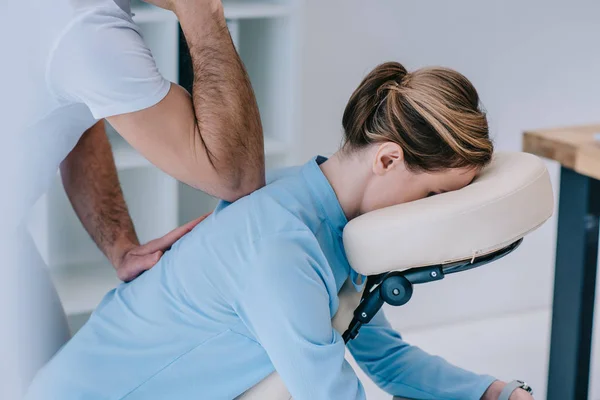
point(433, 114)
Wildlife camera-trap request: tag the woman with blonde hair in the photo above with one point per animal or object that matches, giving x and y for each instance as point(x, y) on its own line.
point(253, 288)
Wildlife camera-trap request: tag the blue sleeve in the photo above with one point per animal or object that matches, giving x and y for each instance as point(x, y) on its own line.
point(407, 371)
point(286, 305)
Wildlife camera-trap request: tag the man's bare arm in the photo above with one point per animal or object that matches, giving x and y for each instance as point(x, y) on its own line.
point(90, 179)
point(212, 140)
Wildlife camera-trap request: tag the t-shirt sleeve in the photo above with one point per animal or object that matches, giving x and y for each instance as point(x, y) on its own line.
point(101, 60)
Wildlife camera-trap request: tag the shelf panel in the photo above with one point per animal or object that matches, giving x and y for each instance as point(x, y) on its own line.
point(82, 287)
point(234, 9)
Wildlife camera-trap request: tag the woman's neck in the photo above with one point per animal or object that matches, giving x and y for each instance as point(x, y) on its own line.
point(348, 176)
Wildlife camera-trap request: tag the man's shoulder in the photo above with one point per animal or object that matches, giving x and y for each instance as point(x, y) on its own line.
point(91, 24)
point(99, 23)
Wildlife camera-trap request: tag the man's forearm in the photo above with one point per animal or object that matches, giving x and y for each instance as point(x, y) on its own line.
point(90, 180)
point(227, 115)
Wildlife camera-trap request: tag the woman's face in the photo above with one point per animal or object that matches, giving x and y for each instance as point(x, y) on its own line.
point(392, 183)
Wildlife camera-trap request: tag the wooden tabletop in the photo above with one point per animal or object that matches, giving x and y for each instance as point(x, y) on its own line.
point(573, 147)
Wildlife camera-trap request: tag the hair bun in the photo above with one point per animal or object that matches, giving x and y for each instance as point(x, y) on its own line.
point(366, 99)
point(392, 71)
point(389, 76)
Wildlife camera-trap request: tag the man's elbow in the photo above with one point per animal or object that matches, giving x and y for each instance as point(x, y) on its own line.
point(228, 178)
point(242, 186)
point(233, 185)
point(229, 188)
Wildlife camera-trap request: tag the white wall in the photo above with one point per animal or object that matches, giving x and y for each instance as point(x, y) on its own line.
point(535, 63)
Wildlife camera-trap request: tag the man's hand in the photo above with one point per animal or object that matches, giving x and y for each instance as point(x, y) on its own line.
point(493, 392)
point(137, 259)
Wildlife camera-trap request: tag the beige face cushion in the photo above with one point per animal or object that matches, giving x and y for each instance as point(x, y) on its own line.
point(508, 199)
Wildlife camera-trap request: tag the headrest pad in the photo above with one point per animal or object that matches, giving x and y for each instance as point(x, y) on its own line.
point(509, 198)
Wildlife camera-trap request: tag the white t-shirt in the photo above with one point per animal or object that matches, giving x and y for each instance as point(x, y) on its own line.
point(67, 64)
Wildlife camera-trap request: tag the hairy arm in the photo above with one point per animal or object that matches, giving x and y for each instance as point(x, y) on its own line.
point(213, 139)
point(90, 180)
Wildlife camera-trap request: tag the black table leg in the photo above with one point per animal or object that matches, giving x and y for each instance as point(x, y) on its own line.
point(574, 286)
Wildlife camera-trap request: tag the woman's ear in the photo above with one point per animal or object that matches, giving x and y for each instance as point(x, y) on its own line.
point(388, 156)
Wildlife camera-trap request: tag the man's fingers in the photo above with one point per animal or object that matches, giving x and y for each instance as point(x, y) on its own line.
point(145, 257)
point(165, 242)
point(192, 224)
point(135, 265)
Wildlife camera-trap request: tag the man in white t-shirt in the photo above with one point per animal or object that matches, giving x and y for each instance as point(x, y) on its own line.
point(67, 66)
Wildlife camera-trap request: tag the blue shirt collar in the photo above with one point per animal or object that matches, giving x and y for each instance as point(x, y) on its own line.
point(324, 195)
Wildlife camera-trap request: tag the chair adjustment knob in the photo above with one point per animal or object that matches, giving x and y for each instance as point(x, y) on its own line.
point(396, 290)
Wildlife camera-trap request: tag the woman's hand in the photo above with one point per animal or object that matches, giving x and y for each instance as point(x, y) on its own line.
point(520, 394)
point(493, 392)
point(138, 259)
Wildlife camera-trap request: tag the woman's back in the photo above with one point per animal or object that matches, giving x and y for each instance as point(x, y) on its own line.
point(175, 325)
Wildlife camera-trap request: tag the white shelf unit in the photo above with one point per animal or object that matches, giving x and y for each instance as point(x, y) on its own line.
point(263, 33)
